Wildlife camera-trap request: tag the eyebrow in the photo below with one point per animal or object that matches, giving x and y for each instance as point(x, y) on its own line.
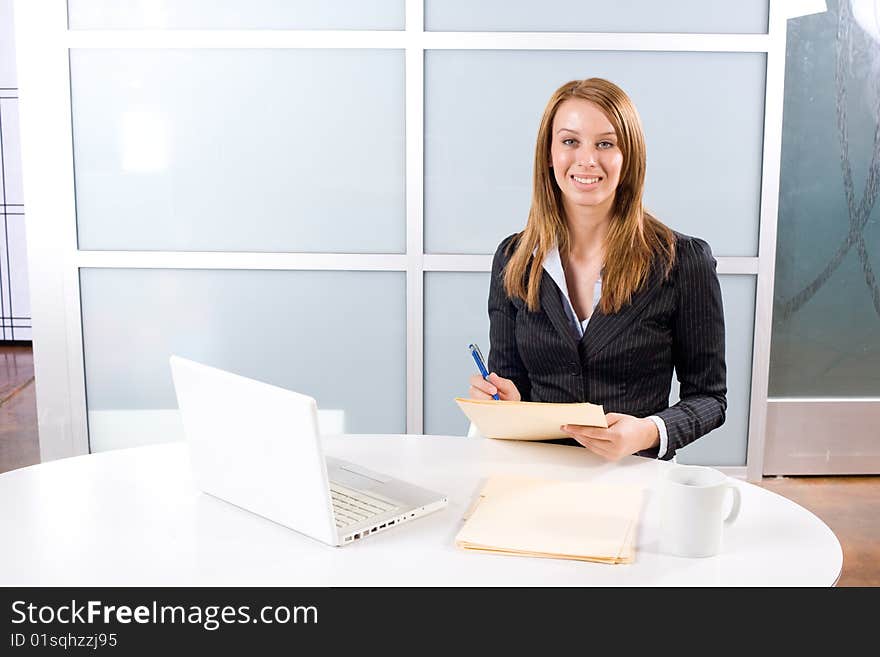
point(601, 134)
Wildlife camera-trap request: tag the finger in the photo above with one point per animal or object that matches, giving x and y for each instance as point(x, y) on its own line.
point(480, 384)
point(583, 431)
point(603, 448)
point(500, 382)
point(608, 452)
point(614, 418)
point(476, 393)
point(595, 448)
point(506, 388)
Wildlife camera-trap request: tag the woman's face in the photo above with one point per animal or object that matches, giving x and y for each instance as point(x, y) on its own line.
point(585, 155)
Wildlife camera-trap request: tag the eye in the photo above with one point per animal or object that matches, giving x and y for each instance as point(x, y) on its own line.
point(569, 141)
point(605, 144)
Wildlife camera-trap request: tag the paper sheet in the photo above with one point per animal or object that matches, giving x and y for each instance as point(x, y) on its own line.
point(528, 420)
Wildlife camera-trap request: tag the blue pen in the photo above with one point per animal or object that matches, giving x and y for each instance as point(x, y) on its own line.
point(478, 359)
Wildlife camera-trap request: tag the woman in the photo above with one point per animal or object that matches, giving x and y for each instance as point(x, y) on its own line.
point(596, 300)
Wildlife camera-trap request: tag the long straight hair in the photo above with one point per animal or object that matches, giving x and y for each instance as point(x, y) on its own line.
point(634, 239)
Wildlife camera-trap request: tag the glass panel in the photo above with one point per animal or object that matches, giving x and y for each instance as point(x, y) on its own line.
point(593, 16)
point(277, 326)
point(236, 15)
point(7, 47)
point(478, 153)
point(728, 444)
point(10, 151)
point(448, 364)
point(826, 313)
point(15, 309)
point(239, 150)
point(14, 278)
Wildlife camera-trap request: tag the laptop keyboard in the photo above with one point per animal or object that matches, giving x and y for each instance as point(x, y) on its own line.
point(353, 506)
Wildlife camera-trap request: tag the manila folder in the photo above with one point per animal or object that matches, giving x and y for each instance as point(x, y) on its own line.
point(554, 519)
point(528, 420)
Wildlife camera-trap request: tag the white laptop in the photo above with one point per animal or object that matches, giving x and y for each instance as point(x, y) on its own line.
point(257, 446)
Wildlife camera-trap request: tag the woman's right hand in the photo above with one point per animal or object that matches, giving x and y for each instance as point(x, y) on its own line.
point(483, 389)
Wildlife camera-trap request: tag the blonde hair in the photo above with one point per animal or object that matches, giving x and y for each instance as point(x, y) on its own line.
point(634, 237)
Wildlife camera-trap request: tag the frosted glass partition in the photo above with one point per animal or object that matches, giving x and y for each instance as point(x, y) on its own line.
point(706, 16)
point(239, 150)
point(275, 326)
point(456, 314)
point(826, 313)
point(703, 115)
point(15, 303)
point(236, 14)
point(8, 72)
point(10, 151)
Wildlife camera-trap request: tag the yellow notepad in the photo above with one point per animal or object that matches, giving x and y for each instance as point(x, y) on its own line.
point(554, 519)
point(528, 420)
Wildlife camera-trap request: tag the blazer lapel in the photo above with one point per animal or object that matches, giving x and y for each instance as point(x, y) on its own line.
point(602, 328)
point(551, 302)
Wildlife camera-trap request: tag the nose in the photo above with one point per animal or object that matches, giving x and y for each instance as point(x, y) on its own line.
point(587, 156)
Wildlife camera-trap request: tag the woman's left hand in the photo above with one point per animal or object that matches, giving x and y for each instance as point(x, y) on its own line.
point(625, 435)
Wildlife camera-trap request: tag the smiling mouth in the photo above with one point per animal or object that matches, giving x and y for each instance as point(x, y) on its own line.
point(590, 180)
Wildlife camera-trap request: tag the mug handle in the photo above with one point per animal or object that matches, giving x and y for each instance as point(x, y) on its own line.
point(734, 509)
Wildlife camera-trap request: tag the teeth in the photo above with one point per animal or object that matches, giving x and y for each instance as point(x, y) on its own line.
point(586, 181)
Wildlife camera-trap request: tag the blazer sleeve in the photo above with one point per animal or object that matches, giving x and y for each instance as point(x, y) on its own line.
point(504, 358)
point(697, 349)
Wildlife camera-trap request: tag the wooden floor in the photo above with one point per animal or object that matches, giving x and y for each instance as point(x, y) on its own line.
point(19, 445)
point(850, 506)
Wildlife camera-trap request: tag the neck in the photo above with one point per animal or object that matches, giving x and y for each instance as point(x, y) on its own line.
point(587, 229)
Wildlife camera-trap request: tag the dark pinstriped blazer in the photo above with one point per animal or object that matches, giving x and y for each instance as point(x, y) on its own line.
point(624, 360)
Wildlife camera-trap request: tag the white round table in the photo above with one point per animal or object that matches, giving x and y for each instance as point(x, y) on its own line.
point(134, 517)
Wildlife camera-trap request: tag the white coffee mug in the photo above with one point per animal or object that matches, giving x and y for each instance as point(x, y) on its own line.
point(692, 510)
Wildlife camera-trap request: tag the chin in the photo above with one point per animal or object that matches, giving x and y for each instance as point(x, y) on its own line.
point(588, 200)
